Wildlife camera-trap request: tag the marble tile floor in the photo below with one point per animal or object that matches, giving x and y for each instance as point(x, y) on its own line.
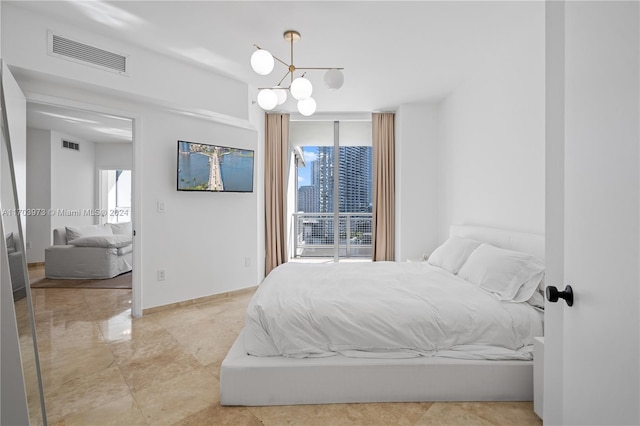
point(102, 367)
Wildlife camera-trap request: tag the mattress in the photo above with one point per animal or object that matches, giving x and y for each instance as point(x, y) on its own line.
point(384, 310)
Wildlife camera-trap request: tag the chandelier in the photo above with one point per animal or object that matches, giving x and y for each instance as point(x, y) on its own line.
point(300, 88)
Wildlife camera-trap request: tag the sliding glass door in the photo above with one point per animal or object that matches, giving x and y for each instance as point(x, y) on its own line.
point(334, 196)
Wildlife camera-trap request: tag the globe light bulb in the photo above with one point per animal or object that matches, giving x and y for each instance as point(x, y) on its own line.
point(262, 62)
point(301, 88)
point(334, 79)
point(267, 99)
point(281, 93)
point(307, 106)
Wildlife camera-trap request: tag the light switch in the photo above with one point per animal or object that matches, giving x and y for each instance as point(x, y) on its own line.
point(161, 207)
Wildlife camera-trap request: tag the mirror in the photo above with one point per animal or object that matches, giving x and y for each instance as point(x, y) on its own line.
point(16, 282)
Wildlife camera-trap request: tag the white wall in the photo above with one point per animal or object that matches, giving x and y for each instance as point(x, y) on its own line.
point(38, 192)
point(202, 239)
point(115, 156)
point(416, 180)
point(491, 140)
point(73, 180)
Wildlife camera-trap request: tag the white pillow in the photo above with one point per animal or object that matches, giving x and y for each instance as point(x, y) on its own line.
point(121, 228)
point(452, 254)
point(510, 275)
point(105, 241)
point(74, 233)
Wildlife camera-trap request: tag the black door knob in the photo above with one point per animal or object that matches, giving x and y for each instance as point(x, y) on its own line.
point(553, 294)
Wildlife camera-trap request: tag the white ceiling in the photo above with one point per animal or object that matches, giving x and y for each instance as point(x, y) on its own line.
point(85, 125)
point(393, 52)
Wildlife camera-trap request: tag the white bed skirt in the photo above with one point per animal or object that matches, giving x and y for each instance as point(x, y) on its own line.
point(250, 380)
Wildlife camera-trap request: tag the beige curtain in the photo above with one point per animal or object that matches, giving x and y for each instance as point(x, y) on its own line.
point(383, 186)
point(275, 189)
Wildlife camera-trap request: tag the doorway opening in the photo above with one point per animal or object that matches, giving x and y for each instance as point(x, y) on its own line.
point(91, 184)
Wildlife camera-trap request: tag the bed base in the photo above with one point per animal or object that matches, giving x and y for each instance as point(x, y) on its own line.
point(254, 381)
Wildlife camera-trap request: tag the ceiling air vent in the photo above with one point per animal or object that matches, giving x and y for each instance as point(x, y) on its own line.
point(72, 50)
point(71, 145)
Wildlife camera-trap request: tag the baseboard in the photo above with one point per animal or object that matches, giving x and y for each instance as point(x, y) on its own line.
point(198, 300)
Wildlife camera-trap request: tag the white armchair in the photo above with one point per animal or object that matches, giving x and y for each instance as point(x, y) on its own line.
point(90, 252)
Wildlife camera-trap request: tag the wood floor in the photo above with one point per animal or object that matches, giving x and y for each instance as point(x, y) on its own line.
point(100, 366)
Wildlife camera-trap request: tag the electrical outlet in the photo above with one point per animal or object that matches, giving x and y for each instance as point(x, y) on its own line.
point(28, 245)
point(162, 275)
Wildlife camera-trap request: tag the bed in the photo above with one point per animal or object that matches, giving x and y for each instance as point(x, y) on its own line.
point(304, 344)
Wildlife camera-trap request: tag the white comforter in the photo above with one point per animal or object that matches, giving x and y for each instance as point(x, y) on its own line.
point(382, 310)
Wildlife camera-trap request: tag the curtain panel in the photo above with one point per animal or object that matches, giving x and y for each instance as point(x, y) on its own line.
point(383, 186)
point(275, 190)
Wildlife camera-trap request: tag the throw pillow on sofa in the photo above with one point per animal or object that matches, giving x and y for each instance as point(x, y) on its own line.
point(74, 233)
point(105, 241)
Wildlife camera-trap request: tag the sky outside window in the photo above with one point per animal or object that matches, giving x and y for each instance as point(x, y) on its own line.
point(304, 173)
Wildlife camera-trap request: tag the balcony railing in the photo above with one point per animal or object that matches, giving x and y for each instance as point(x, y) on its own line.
point(314, 234)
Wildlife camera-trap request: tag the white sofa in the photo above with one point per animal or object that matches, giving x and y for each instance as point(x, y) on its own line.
point(90, 252)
